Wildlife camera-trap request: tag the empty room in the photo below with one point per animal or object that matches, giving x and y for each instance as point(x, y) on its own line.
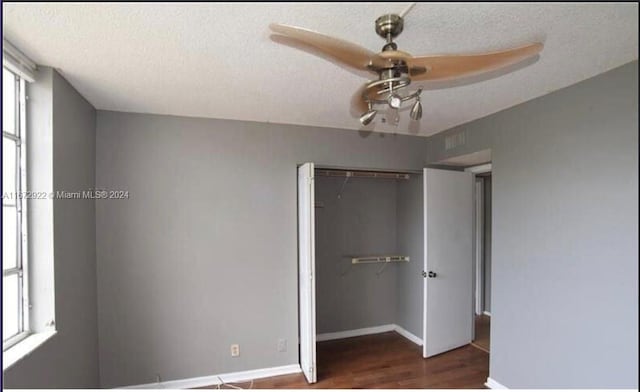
point(386, 195)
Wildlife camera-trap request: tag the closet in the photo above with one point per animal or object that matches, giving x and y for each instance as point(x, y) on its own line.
point(364, 259)
point(368, 253)
point(384, 251)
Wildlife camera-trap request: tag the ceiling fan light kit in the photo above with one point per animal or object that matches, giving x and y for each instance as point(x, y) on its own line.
point(368, 116)
point(396, 70)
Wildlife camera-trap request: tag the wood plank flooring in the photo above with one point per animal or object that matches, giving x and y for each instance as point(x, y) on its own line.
point(483, 325)
point(387, 360)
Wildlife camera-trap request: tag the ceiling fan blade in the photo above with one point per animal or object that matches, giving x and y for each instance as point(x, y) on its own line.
point(446, 67)
point(343, 51)
point(358, 104)
point(395, 55)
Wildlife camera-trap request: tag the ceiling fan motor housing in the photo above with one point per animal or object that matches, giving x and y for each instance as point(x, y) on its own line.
point(389, 26)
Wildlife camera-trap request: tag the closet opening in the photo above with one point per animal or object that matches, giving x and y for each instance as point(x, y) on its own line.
point(368, 265)
point(385, 268)
point(482, 256)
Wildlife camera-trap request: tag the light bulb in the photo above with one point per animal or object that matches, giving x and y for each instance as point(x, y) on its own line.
point(395, 101)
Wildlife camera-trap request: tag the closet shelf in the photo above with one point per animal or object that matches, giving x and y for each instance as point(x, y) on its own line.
point(362, 174)
point(378, 259)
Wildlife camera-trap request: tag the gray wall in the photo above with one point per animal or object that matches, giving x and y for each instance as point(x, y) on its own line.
point(486, 257)
point(410, 212)
point(565, 234)
point(70, 358)
point(361, 222)
point(204, 252)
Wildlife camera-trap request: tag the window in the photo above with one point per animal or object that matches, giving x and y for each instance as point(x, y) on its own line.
point(15, 323)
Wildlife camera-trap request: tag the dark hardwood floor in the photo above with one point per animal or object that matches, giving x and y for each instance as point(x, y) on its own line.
point(387, 360)
point(483, 327)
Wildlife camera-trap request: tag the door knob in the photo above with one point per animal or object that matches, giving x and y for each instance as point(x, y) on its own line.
point(432, 274)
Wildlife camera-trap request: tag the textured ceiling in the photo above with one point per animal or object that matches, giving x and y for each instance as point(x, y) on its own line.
point(218, 60)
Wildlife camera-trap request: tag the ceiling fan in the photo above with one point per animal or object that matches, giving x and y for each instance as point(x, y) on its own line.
point(396, 69)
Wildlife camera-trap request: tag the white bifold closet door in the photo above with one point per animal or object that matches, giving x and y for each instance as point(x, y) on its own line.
point(306, 279)
point(448, 231)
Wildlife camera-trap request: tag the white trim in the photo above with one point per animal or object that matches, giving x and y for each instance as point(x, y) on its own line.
point(24, 229)
point(369, 331)
point(408, 335)
point(14, 60)
point(15, 339)
point(198, 382)
point(321, 337)
point(486, 168)
point(487, 313)
point(425, 251)
point(306, 271)
point(23, 348)
point(493, 384)
point(479, 246)
point(17, 54)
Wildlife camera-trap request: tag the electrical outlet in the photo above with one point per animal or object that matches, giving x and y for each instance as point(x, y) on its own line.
point(282, 345)
point(235, 350)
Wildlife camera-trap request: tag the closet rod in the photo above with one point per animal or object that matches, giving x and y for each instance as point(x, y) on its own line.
point(361, 174)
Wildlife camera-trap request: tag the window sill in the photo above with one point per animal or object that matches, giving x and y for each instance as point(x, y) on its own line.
point(24, 348)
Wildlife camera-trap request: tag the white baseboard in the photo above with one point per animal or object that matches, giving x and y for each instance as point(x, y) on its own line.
point(493, 384)
point(487, 313)
point(321, 337)
point(255, 374)
point(408, 335)
point(198, 382)
point(369, 331)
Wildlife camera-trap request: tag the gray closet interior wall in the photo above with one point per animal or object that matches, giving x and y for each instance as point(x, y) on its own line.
point(362, 221)
point(368, 217)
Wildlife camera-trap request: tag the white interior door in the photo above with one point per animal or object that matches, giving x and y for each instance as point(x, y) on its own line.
point(306, 268)
point(448, 260)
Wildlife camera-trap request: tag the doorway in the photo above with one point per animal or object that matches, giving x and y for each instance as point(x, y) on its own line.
point(482, 256)
point(430, 261)
point(368, 263)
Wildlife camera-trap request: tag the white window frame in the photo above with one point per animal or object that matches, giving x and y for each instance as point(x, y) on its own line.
point(21, 269)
